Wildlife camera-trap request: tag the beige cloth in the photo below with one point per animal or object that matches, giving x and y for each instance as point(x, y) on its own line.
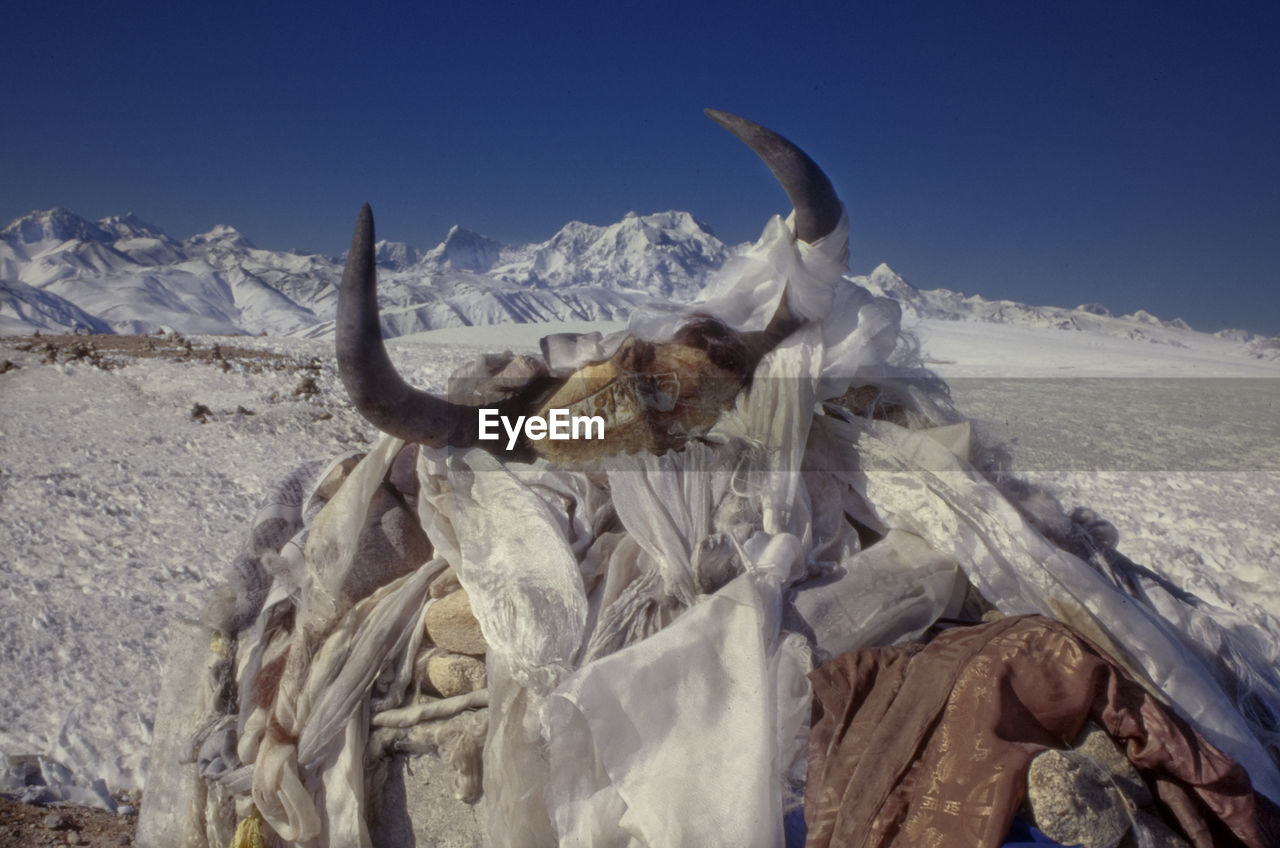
point(929, 745)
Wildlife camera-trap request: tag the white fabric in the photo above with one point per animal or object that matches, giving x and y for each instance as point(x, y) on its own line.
point(891, 592)
point(716, 692)
point(301, 785)
point(632, 708)
point(676, 732)
point(642, 689)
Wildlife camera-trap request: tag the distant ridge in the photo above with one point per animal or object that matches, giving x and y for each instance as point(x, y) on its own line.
point(59, 271)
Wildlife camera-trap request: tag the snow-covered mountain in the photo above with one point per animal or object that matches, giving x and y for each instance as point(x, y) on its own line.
point(947, 305)
point(132, 277)
point(59, 271)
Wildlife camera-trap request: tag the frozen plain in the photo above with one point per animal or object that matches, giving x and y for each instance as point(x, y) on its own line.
point(118, 511)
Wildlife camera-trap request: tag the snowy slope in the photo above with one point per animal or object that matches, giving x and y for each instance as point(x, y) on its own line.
point(1091, 318)
point(24, 308)
point(135, 278)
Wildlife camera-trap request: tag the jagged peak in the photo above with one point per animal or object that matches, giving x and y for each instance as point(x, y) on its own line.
point(395, 254)
point(464, 250)
point(890, 280)
point(56, 224)
point(672, 219)
point(461, 235)
point(221, 235)
point(1144, 316)
point(655, 228)
point(130, 225)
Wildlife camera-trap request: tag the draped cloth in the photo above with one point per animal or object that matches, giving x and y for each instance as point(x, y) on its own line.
point(650, 620)
point(923, 745)
point(643, 688)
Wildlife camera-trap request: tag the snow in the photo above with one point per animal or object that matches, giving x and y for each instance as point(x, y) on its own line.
point(25, 308)
point(118, 511)
point(1179, 447)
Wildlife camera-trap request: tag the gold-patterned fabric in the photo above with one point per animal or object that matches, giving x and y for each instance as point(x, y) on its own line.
point(929, 745)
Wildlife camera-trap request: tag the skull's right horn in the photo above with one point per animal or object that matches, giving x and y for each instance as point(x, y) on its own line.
point(818, 208)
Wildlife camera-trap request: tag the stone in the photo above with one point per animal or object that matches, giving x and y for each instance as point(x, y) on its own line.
point(1150, 831)
point(57, 821)
point(391, 544)
point(340, 472)
point(1094, 743)
point(452, 626)
point(455, 674)
point(1073, 801)
point(417, 807)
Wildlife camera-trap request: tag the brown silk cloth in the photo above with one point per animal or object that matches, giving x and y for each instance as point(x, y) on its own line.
point(929, 745)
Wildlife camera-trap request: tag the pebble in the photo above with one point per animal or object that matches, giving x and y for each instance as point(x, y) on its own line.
point(451, 625)
point(57, 821)
point(455, 674)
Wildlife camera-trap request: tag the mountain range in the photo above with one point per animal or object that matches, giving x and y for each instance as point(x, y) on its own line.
point(59, 271)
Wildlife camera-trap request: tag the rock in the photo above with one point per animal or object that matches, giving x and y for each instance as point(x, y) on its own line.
point(306, 388)
point(126, 810)
point(455, 674)
point(331, 483)
point(391, 544)
point(57, 821)
point(417, 807)
point(451, 625)
point(1073, 801)
point(74, 838)
point(403, 474)
point(1094, 743)
point(1150, 831)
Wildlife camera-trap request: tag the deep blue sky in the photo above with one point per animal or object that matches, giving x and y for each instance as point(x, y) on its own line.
point(1123, 153)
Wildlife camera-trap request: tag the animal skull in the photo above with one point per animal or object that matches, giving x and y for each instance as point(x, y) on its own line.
point(703, 367)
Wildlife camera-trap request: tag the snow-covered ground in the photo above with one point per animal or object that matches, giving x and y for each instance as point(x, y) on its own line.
point(118, 510)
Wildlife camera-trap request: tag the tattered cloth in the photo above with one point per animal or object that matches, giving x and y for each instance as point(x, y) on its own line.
point(922, 745)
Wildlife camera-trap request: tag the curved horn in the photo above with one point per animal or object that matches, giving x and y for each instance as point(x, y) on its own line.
point(818, 208)
point(377, 390)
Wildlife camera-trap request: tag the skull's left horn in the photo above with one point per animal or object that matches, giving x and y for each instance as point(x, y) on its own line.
point(377, 390)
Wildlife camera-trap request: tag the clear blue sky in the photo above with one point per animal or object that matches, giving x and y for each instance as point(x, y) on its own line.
point(1118, 152)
